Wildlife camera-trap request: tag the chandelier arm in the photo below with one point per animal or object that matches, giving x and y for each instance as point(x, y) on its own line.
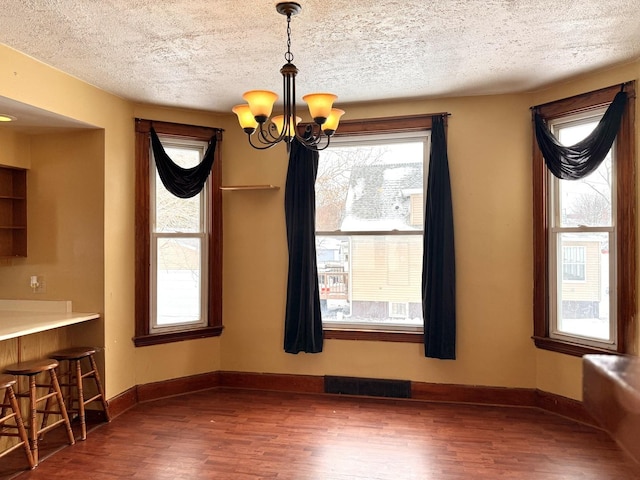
point(311, 136)
point(278, 138)
point(312, 133)
point(314, 145)
point(262, 145)
point(262, 137)
point(265, 136)
point(319, 149)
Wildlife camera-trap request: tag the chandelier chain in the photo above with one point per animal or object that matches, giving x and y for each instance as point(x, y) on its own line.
point(288, 56)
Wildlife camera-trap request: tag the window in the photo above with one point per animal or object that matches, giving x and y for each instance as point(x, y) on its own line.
point(178, 242)
point(573, 263)
point(582, 229)
point(584, 233)
point(179, 237)
point(370, 193)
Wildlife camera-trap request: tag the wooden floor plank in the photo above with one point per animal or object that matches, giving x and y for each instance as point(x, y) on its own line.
point(243, 435)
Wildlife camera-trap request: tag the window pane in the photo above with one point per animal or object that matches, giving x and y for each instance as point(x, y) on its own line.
point(175, 214)
point(583, 285)
point(370, 187)
point(586, 201)
point(178, 281)
point(367, 279)
point(573, 263)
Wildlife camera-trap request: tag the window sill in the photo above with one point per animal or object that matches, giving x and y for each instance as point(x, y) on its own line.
point(568, 348)
point(373, 336)
point(159, 338)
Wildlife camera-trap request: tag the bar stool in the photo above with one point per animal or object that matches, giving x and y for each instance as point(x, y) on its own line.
point(10, 403)
point(72, 378)
point(31, 369)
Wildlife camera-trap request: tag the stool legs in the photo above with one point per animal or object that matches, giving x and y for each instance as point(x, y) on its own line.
point(10, 402)
point(63, 410)
point(33, 431)
point(74, 380)
point(80, 390)
point(101, 396)
point(54, 392)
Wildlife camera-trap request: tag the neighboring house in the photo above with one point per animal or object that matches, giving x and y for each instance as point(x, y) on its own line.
point(377, 270)
point(583, 278)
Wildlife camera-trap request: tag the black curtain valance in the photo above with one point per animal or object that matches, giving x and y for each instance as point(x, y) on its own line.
point(182, 182)
point(579, 160)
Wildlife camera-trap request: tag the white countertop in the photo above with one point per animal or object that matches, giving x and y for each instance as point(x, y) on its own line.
point(24, 317)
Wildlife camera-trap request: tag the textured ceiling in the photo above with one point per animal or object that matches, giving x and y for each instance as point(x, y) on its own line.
point(205, 54)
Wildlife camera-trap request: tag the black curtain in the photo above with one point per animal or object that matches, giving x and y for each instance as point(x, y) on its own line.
point(579, 160)
point(182, 182)
point(303, 320)
point(439, 263)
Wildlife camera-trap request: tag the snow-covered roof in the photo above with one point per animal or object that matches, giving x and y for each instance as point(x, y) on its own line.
point(379, 197)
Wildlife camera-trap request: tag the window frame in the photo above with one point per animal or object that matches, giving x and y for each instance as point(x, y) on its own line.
point(379, 126)
point(624, 221)
point(144, 334)
point(201, 235)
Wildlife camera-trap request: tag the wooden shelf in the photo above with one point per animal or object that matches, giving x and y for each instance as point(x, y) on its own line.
point(13, 212)
point(249, 187)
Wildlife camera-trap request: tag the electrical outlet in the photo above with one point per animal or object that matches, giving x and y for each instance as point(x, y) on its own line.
point(37, 284)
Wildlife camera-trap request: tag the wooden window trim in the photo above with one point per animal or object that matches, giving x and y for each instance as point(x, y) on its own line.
point(373, 336)
point(378, 126)
point(625, 222)
point(214, 327)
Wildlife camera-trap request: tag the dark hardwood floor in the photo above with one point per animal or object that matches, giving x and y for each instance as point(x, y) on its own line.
point(242, 434)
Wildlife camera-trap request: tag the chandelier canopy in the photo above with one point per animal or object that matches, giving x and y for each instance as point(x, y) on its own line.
point(255, 115)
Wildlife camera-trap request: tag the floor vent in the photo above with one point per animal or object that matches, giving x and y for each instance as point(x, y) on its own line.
point(372, 387)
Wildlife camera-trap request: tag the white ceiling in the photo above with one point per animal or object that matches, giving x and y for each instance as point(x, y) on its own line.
point(204, 54)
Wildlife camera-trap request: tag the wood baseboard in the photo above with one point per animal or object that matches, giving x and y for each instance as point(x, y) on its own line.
point(178, 386)
point(438, 392)
point(273, 381)
point(420, 391)
point(123, 402)
point(566, 407)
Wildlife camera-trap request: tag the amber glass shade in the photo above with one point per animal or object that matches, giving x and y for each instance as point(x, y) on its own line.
point(245, 118)
point(278, 121)
point(331, 125)
point(261, 103)
point(320, 105)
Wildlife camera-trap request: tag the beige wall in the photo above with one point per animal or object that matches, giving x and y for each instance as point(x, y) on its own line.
point(65, 194)
point(492, 205)
point(15, 151)
point(490, 162)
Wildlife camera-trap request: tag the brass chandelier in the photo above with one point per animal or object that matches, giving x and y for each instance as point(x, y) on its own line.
point(254, 116)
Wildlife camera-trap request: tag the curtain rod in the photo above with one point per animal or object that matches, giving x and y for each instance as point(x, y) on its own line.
point(151, 122)
point(622, 85)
